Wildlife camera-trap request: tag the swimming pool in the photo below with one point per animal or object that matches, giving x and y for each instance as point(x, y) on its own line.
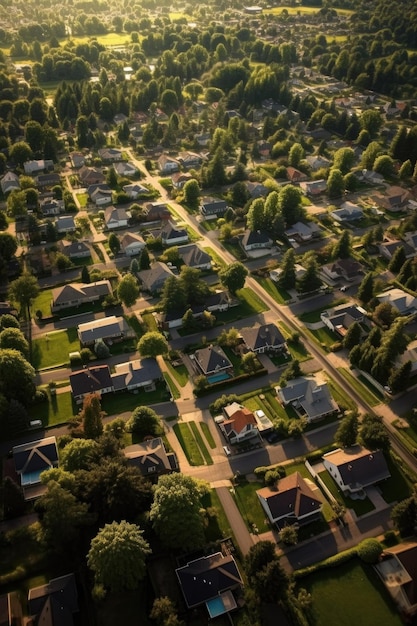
point(216, 378)
point(215, 607)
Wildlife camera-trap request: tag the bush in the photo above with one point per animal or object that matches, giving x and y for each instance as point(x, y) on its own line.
point(332, 561)
point(40, 396)
point(369, 550)
point(390, 538)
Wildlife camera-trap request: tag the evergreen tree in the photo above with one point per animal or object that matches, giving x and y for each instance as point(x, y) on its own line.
point(343, 247)
point(144, 260)
point(310, 281)
point(85, 275)
point(92, 416)
point(347, 433)
point(287, 279)
point(397, 260)
point(400, 377)
point(366, 288)
point(353, 336)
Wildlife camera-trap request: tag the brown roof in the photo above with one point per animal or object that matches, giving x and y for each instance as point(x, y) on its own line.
point(292, 498)
point(239, 419)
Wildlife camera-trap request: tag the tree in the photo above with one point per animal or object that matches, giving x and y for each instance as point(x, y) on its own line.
point(288, 535)
point(404, 516)
point(347, 433)
point(164, 613)
point(258, 557)
point(287, 278)
point(295, 154)
point(310, 281)
point(191, 193)
point(144, 422)
point(343, 246)
point(397, 260)
point(173, 297)
point(400, 377)
point(79, 454)
point(353, 336)
point(371, 120)
point(176, 512)
point(233, 277)
point(250, 362)
point(117, 556)
point(335, 183)
point(384, 165)
point(17, 376)
point(14, 338)
point(85, 275)
point(91, 416)
point(229, 338)
point(344, 159)
point(366, 288)
point(128, 290)
point(373, 433)
point(8, 246)
point(20, 152)
point(62, 262)
point(144, 260)
point(152, 344)
point(114, 243)
point(384, 314)
point(8, 321)
point(195, 287)
point(369, 550)
point(290, 204)
point(23, 291)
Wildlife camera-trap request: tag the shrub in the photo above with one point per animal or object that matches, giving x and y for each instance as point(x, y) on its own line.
point(369, 550)
point(390, 538)
point(40, 396)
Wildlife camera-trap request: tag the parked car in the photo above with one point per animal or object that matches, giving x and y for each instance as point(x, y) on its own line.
point(227, 450)
point(272, 437)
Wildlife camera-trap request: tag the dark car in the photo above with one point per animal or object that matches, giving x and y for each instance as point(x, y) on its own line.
point(272, 437)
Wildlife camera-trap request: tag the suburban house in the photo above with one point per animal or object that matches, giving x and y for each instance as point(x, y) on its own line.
point(110, 155)
point(276, 273)
point(116, 217)
point(210, 578)
point(151, 458)
point(137, 374)
point(397, 569)
point(389, 247)
point(74, 249)
point(257, 190)
point(55, 603)
point(353, 469)
point(35, 167)
point(316, 162)
point(180, 178)
point(348, 212)
point(213, 207)
point(65, 224)
point(313, 187)
point(400, 300)
point(309, 397)
point(48, 180)
point(295, 176)
point(339, 319)
point(212, 360)
point(240, 424)
point(108, 329)
point(76, 294)
point(124, 168)
point(394, 199)
point(292, 501)
point(92, 379)
point(157, 211)
point(345, 269)
point(190, 159)
point(77, 159)
point(411, 239)
point(255, 240)
point(153, 280)
point(265, 338)
point(410, 355)
point(172, 235)
point(30, 460)
point(51, 206)
point(193, 256)
point(90, 176)
point(302, 232)
point(100, 195)
point(167, 165)
point(10, 182)
point(218, 301)
point(134, 190)
point(132, 244)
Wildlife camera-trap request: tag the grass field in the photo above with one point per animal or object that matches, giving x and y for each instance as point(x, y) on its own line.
point(172, 386)
point(350, 594)
point(249, 506)
point(58, 410)
point(218, 525)
point(180, 373)
point(280, 295)
point(43, 303)
point(53, 348)
point(188, 443)
point(362, 387)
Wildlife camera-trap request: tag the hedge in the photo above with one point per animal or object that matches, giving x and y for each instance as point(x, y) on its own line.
point(223, 384)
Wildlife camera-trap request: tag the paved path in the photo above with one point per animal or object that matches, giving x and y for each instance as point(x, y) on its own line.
point(243, 538)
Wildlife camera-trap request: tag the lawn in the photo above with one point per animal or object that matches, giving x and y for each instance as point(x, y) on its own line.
point(397, 487)
point(149, 321)
point(215, 257)
point(340, 397)
point(43, 303)
point(207, 434)
point(249, 506)
point(323, 336)
point(172, 386)
point(188, 443)
point(254, 302)
point(249, 305)
point(58, 410)
point(218, 525)
point(362, 387)
point(200, 442)
point(280, 295)
point(114, 404)
point(361, 507)
point(54, 347)
point(180, 373)
point(350, 594)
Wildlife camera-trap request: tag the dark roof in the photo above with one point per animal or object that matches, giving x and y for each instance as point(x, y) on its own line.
point(192, 255)
point(149, 457)
point(251, 237)
point(35, 456)
point(208, 576)
point(211, 359)
point(292, 498)
point(408, 559)
point(358, 465)
point(267, 335)
point(90, 380)
point(55, 603)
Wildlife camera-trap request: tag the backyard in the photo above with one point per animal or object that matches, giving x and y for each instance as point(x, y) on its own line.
point(53, 348)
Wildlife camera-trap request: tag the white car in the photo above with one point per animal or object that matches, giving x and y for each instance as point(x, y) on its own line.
point(227, 450)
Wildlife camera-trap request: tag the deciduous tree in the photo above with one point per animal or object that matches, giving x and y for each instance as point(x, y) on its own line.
point(128, 290)
point(152, 344)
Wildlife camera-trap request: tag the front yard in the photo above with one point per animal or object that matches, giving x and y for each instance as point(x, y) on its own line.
point(53, 348)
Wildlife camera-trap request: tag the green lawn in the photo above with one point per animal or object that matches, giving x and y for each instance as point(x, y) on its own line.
point(280, 295)
point(218, 525)
point(172, 386)
point(207, 434)
point(43, 303)
point(54, 347)
point(324, 336)
point(366, 391)
point(200, 442)
point(249, 506)
point(114, 404)
point(58, 410)
point(149, 321)
point(215, 257)
point(350, 594)
point(361, 507)
point(397, 487)
point(180, 373)
point(254, 302)
point(188, 443)
point(340, 397)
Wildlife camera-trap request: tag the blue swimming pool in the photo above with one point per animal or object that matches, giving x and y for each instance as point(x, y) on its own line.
point(216, 378)
point(215, 607)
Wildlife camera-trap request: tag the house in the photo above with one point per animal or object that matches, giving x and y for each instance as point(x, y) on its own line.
point(218, 301)
point(34, 167)
point(397, 568)
point(77, 159)
point(257, 190)
point(180, 178)
point(51, 206)
point(167, 165)
point(55, 603)
point(154, 279)
point(212, 360)
point(255, 240)
point(48, 180)
point(151, 458)
point(134, 190)
point(389, 247)
point(90, 176)
point(132, 244)
point(403, 302)
point(190, 159)
point(348, 212)
point(292, 501)
point(76, 294)
point(410, 355)
point(275, 274)
point(265, 338)
point(172, 235)
point(345, 269)
point(10, 182)
point(394, 199)
point(316, 162)
point(213, 207)
point(309, 397)
point(240, 424)
point(138, 374)
point(124, 168)
point(369, 176)
point(313, 187)
point(193, 256)
point(303, 231)
point(110, 155)
point(92, 379)
point(74, 249)
point(157, 211)
point(106, 328)
point(411, 239)
point(65, 224)
point(339, 319)
point(100, 194)
point(116, 217)
point(353, 469)
point(295, 176)
point(212, 577)
point(264, 148)
point(30, 460)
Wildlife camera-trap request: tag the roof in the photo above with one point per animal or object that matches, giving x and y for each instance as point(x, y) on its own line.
point(212, 359)
point(407, 555)
point(103, 327)
point(313, 396)
point(291, 498)
point(208, 576)
point(155, 276)
point(193, 256)
point(135, 373)
point(170, 230)
point(129, 238)
point(358, 465)
point(238, 420)
point(35, 456)
point(78, 291)
point(113, 214)
point(399, 299)
point(90, 380)
point(265, 336)
point(54, 603)
point(149, 456)
point(251, 237)
point(74, 248)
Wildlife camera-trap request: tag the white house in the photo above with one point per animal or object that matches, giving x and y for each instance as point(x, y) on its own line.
point(132, 244)
point(309, 397)
point(353, 469)
point(240, 424)
point(116, 217)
